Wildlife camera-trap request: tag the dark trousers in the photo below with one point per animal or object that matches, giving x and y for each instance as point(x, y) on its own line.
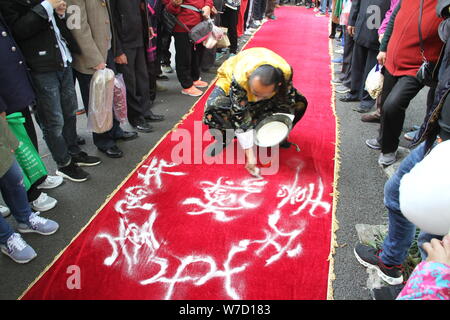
point(136, 78)
point(229, 20)
point(56, 110)
point(349, 44)
point(153, 68)
point(395, 98)
point(270, 8)
point(187, 59)
point(363, 60)
point(259, 7)
point(163, 46)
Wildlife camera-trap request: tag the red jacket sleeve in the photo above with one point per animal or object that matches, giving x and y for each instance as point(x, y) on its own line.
point(171, 7)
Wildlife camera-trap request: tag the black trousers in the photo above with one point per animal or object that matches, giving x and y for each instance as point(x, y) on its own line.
point(259, 8)
point(395, 98)
point(349, 44)
point(229, 20)
point(136, 77)
point(363, 60)
point(163, 45)
point(187, 59)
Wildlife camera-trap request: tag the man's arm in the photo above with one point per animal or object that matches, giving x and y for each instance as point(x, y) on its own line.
point(83, 35)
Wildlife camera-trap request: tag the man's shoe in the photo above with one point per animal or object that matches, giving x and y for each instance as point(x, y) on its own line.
point(51, 182)
point(320, 14)
point(342, 89)
point(82, 159)
point(386, 159)
point(338, 60)
point(371, 117)
point(192, 91)
point(162, 77)
point(336, 81)
point(410, 136)
point(373, 144)
point(113, 152)
point(166, 68)
point(40, 225)
point(43, 203)
point(153, 117)
point(339, 51)
point(73, 173)
point(128, 136)
point(4, 211)
point(200, 84)
point(349, 98)
point(368, 257)
point(362, 109)
point(142, 126)
point(17, 249)
point(272, 17)
point(387, 292)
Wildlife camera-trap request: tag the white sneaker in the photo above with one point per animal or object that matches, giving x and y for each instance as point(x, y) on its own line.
point(316, 9)
point(386, 159)
point(44, 203)
point(257, 22)
point(339, 51)
point(4, 211)
point(17, 249)
point(51, 182)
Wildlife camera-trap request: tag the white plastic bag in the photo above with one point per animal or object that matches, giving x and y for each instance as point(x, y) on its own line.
point(374, 82)
point(100, 118)
point(120, 99)
point(210, 42)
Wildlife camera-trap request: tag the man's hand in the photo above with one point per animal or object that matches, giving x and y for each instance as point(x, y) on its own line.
point(122, 59)
point(56, 3)
point(177, 2)
point(381, 58)
point(101, 66)
point(351, 31)
point(206, 12)
point(251, 163)
point(3, 115)
point(438, 251)
point(61, 10)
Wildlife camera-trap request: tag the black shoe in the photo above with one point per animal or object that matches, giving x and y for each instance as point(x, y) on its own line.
point(142, 126)
point(332, 36)
point(80, 141)
point(162, 77)
point(73, 173)
point(84, 160)
point(349, 98)
point(127, 136)
point(113, 152)
point(368, 257)
point(153, 117)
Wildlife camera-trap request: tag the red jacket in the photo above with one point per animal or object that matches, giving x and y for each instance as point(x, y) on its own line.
point(403, 53)
point(189, 17)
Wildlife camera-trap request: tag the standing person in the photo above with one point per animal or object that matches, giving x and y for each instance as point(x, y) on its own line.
point(15, 196)
point(400, 54)
point(229, 19)
point(40, 29)
point(270, 9)
point(133, 34)
point(325, 8)
point(188, 57)
point(96, 39)
point(365, 34)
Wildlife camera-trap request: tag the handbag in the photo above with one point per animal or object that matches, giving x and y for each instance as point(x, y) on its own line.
point(428, 71)
point(27, 157)
point(223, 42)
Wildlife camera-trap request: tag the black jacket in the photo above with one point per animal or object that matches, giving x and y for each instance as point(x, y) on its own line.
point(363, 15)
point(34, 33)
point(16, 92)
point(131, 24)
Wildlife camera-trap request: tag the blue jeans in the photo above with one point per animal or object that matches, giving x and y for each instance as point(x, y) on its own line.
point(324, 5)
point(15, 197)
point(401, 232)
point(56, 110)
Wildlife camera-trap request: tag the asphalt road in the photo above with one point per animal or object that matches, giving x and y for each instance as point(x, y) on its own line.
point(360, 186)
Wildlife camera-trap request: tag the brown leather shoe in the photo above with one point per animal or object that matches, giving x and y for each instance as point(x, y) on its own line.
point(371, 117)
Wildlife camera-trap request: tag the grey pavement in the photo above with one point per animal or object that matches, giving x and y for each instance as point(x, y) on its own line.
point(360, 186)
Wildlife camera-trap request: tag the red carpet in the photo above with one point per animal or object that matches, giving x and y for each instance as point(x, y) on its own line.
point(198, 231)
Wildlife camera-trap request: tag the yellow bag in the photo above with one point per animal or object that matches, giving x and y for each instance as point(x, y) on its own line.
point(223, 42)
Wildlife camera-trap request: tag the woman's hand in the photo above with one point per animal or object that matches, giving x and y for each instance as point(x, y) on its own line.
point(206, 12)
point(381, 58)
point(251, 163)
point(438, 251)
point(122, 59)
